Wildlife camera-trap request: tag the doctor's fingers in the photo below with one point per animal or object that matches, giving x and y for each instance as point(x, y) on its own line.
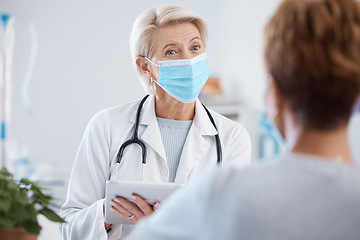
point(156, 206)
point(145, 207)
point(130, 207)
point(123, 212)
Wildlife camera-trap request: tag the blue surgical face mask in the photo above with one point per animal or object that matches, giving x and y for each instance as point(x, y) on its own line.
point(183, 79)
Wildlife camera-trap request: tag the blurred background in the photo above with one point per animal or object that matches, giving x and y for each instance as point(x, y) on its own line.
point(83, 65)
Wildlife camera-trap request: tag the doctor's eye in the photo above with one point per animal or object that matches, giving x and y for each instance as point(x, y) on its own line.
point(196, 48)
point(170, 52)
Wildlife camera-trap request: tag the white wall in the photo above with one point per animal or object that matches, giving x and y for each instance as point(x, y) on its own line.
point(241, 48)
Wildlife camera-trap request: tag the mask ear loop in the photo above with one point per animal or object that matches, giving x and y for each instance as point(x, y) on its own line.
point(152, 62)
point(153, 83)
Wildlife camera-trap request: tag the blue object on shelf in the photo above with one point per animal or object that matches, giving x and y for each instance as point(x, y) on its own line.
point(4, 19)
point(270, 140)
point(3, 129)
point(265, 140)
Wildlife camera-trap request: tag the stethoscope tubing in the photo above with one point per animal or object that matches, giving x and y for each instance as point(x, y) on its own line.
point(217, 138)
point(135, 139)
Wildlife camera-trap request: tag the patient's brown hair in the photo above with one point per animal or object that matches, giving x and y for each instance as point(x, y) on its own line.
point(312, 50)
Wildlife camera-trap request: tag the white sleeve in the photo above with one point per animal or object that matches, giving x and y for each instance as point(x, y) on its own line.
point(83, 209)
point(239, 148)
point(183, 215)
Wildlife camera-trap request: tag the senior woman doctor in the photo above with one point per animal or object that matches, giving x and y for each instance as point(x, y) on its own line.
point(168, 46)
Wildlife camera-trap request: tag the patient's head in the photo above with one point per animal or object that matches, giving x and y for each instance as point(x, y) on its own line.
point(312, 55)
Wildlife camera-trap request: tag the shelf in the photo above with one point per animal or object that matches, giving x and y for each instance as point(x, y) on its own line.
point(228, 109)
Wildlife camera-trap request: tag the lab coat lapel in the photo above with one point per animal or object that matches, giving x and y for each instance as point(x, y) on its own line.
point(151, 135)
point(196, 145)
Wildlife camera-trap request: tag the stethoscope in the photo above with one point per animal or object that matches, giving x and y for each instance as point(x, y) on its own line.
point(135, 139)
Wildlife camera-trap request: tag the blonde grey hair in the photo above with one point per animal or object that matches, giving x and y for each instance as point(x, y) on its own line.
point(141, 43)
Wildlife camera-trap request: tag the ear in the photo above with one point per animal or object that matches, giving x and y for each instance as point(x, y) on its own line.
point(143, 65)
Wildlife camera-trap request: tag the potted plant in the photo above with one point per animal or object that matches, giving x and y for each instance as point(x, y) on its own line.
point(20, 203)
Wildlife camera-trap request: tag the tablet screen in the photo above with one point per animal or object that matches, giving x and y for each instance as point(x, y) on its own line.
point(151, 192)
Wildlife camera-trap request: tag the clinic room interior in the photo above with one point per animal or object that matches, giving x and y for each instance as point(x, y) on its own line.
point(71, 59)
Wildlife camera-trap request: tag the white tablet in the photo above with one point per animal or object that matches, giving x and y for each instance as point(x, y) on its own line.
point(151, 192)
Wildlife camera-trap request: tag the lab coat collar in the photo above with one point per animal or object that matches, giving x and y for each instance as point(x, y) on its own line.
point(196, 145)
point(151, 135)
point(202, 126)
point(147, 112)
point(201, 119)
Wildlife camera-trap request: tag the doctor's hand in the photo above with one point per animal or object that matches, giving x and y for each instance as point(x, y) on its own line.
point(134, 211)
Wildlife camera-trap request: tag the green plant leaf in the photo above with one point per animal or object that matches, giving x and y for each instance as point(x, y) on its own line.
point(2, 177)
point(21, 198)
point(51, 215)
point(31, 212)
point(26, 181)
point(17, 213)
point(5, 204)
point(6, 223)
point(42, 199)
point(32, 227)
point(37, 191)
point(11, 185)
point(35, 186)
point(4, 172)
point(21, 202)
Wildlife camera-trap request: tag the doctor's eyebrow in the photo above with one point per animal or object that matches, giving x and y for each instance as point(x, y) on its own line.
point(195, 38)
point(175, 44)
point(168, 45)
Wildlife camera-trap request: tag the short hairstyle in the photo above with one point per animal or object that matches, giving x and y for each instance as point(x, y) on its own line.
point(312, 50)
point(141, 43)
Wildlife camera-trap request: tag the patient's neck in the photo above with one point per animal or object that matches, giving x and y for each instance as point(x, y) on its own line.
point(329, 144)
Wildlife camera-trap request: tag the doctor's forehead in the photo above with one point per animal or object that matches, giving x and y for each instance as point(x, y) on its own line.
point(175, 34)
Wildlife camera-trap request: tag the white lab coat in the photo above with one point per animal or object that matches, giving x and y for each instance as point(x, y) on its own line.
point(96, 161)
